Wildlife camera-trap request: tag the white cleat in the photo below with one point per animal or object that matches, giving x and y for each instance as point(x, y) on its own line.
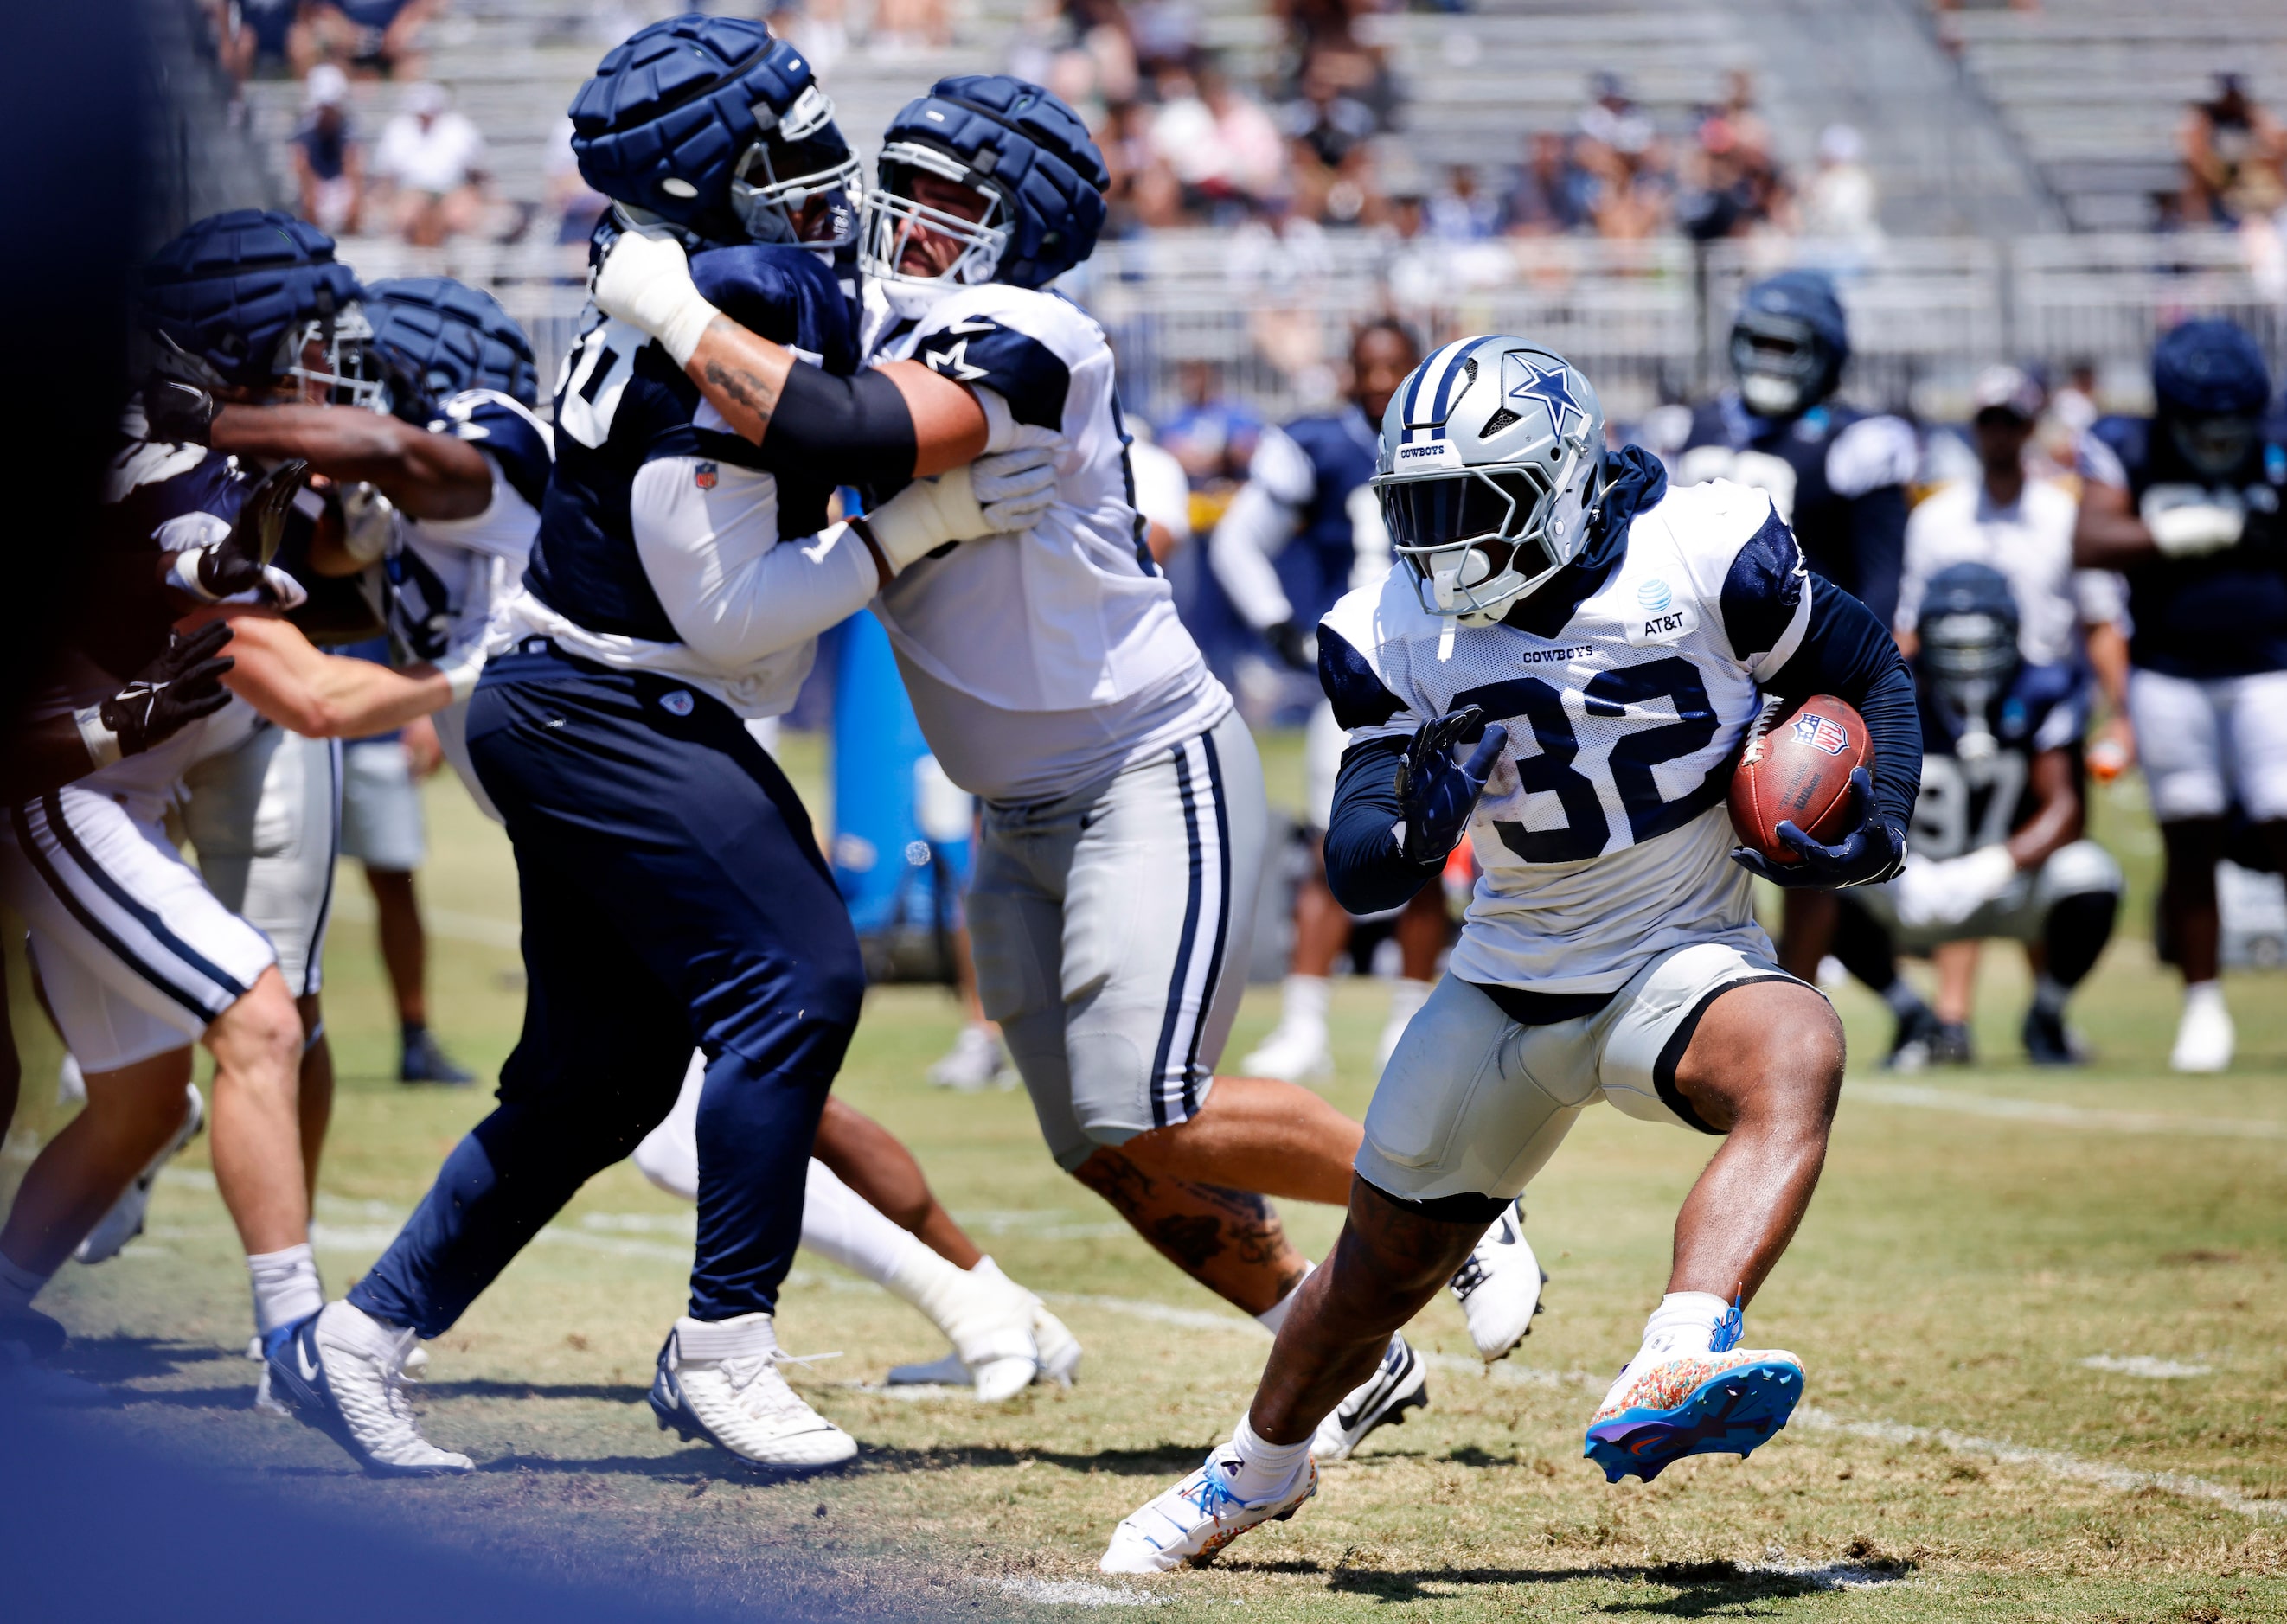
point(116, 1228)
point(2204, 1037)
point(343, 1372)
point(989, 1318)
point(1402, 1384)
point(720, 1381)
point(975, 1061)
point(1191, 1522)
point(1499, 1287)
point(1295, 1052)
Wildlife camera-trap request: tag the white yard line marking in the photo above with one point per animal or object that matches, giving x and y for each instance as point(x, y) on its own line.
point(1071, 1593)
point(1921, 1097)
point(2145, 1365)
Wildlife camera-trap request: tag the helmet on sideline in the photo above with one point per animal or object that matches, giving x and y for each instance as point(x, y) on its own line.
point(712, 126)
point(1488, 466)
point(2211, 386)
point(1789, 344)
point(1024, 153)
point(240, 299)
point(441, 337)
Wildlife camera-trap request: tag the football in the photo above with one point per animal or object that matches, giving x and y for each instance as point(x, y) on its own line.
point(1796, 765)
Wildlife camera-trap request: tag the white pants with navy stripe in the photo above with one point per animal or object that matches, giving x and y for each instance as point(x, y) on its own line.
point(1111, 930)
point(266, 819)
point(136, 954)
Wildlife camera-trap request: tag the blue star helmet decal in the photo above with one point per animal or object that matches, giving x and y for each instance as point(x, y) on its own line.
point(1523, 379)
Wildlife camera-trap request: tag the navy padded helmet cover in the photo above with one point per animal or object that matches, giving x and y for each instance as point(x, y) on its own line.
point(1809, 296)
point(1036, 149)
point(231, 287)
point(453, 336)
point(675, 101)
point(2209, 368)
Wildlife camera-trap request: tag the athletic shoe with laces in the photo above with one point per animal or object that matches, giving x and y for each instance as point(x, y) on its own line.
point(1498, 1286)
point(1951, 1044)
point(27, 1336)
point(116, 1228)
point(1058, 1360)
point(2049, 1042)
point(423, 1060)
point(1400, 1385)
point(975, 1062)
point(1191, 1522)
point(1910, 1044)
point(342, 1371)
point(719, 1382)
point(1295, 1052)
point(1726, 1401)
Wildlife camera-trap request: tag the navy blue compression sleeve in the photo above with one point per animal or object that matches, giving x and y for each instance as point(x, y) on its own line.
point(1878, 542)
point(1849, 654)
point(1364, 870)
point(856, 431)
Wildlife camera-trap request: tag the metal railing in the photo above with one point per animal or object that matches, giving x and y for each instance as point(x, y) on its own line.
point(1647, 320)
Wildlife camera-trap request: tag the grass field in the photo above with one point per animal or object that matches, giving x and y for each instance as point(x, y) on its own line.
point(1980, 1236)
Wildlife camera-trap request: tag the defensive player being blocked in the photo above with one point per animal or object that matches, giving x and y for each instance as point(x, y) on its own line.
point(1124, 816)
point(1603, 643)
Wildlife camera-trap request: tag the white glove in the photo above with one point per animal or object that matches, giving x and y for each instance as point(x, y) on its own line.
point(1946, 893)
point(646, 282)
point(930, 513)
point(2187, 521)
point(369, 523)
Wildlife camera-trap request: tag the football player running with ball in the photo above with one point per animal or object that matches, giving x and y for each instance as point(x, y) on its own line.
point(1124, 818)
point(1599, 643)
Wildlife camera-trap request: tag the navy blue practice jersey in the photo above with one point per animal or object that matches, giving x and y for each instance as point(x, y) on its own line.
point(1978, 796)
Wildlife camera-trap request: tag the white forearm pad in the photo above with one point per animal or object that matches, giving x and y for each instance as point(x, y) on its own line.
point(102, 743)
point(646, 282)
point(926, 515)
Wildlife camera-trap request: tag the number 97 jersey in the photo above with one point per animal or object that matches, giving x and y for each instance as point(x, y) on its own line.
point(1625, 683)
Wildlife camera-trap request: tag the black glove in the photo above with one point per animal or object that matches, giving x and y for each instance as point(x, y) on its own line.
point(1437, 797)
point(238, 561)
point(181, 686)
point(1297, 645)
point(1871, 853)
point(176, 413)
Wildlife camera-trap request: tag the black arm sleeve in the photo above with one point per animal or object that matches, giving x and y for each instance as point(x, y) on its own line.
point(1877, 544)
point(855, 430)
point(1364, 870)
point(1847, 652)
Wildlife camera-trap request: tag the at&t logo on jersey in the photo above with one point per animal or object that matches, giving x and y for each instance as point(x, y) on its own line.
point(1821, 733)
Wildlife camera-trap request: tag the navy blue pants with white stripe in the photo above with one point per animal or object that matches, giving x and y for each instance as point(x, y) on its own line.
point(1110, 929)
point(674, 896)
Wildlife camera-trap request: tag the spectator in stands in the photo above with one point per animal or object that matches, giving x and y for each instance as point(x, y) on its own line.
point(1611, 121)
point(380, 38)
point(1144, 194)
point(1462, 210)
point(250, 32)
point(1223, 148)
point(576, 205)
point(911, 25)
point(2234, 158)
point(1842, 201)
point(1164, 33)
point(1550, 195)
point(435, 160)
point(1212, 434)
point(328, 164)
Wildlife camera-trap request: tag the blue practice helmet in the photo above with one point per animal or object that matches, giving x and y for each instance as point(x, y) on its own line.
point(238, 301)
point(1968, 628)
point(1789, 344)
point(713, 126)
point(436, 337)
point(2211, 384)
point(1026, 153)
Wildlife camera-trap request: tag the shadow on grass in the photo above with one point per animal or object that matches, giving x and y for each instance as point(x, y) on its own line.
point(1700, 1590)
point(108, 1360)
point(603, 1392)
point(700, 1461)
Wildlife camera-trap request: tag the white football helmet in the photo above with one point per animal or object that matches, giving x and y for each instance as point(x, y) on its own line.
point(1489, 470)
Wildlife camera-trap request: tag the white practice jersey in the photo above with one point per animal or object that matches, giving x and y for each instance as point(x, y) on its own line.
point(1040, 662)
point(1602, 834)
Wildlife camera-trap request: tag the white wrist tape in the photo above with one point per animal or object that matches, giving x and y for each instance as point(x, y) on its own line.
point(102, 743)
point(926, 515)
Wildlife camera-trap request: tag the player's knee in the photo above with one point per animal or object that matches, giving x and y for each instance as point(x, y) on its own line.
point(262, 1029)
point(1799, 1071)
point(2082, 868)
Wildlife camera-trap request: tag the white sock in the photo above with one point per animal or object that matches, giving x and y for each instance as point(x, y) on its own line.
point(1262, 1468)
point(1271, 1318)
point(1303, 1001)
point(18, 1284)
point(2200, 996)
point(286, 1287)
point(1684, 1322)
point(843, 1226)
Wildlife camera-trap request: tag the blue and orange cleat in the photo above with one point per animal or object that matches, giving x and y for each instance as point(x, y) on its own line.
point(1728, 1400)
